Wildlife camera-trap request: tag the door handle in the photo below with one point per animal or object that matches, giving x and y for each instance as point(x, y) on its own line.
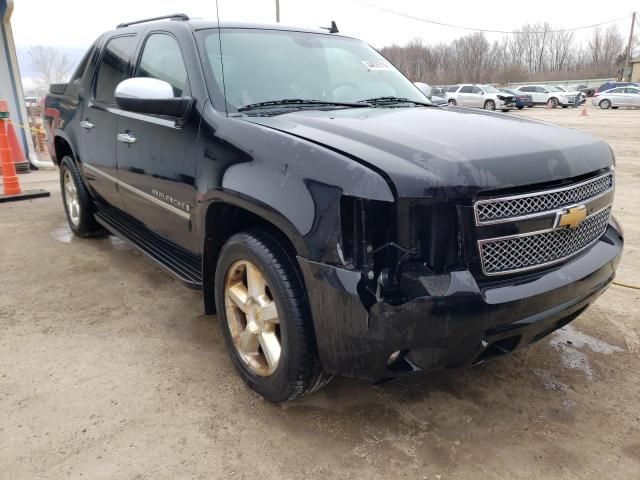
point(126, 138)
point(86, 125)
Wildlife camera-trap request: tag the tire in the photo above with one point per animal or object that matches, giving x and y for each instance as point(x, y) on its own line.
point(281, 293)
point(565, 106)
point(552, 102)
point(78, 205)
point(452, 103)
point(520, 107)
point(490, 105)
point(605, 104)
point(505, 110)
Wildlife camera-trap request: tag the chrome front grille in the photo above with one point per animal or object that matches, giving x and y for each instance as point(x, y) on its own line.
point(497, 210)
point(524, 252)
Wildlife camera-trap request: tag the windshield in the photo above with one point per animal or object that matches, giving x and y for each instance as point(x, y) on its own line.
point(490, 89)
point(271, 65)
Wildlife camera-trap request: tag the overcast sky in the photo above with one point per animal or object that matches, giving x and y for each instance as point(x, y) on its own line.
point(76, 23)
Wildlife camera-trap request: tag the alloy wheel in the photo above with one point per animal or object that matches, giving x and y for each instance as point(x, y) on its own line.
point(253, 318)
point(71, 198)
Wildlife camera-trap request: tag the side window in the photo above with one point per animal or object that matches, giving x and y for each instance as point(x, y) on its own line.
point(82, 66)
point(114, 67)
point(476, 90)
point(541, 90)
point(466, 89)
point(453, 89)
point(162, 59)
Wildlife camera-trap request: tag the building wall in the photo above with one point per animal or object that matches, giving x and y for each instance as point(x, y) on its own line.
point(10, 83)
point(635, 71)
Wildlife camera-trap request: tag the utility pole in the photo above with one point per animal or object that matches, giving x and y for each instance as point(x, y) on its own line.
point(627, 63)
point(278, 12)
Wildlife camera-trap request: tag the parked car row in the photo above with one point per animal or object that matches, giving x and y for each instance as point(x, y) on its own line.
point(609, 95)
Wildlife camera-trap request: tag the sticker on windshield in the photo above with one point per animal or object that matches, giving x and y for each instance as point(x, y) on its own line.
point(376, 64)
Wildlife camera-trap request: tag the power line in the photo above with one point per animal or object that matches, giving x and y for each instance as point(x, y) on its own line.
point(485, 30)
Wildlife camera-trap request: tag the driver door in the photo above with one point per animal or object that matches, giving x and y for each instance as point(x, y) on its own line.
point(157, 157)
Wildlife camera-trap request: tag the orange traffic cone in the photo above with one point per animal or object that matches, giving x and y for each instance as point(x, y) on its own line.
point(10, 182)
point(583, 112)
point(17, 154)
point(9, 178)
point(16, 149)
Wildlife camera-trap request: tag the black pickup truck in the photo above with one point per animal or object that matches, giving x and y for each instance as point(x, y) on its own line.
point(336, 221)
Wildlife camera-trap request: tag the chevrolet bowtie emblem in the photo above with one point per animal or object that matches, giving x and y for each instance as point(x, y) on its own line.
point(571, 217)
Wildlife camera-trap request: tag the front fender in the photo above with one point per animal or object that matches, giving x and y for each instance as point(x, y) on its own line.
point(291, 182)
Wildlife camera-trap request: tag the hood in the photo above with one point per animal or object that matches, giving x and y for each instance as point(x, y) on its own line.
point(426, 151)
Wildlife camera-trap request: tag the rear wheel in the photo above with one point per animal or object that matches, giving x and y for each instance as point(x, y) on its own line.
point(489, 105)
point(265, 319)
point(78, 205)
point(552, 103)
point(605, 104)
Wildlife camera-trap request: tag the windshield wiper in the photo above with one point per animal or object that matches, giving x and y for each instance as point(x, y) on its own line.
point(300, 102)
point(394, 100)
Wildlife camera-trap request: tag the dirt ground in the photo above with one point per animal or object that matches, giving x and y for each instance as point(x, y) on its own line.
point(109, 369)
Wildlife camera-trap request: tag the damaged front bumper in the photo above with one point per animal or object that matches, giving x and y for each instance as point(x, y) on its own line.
point(454, 321)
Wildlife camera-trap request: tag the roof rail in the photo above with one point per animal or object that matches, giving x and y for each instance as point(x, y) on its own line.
point(176, 16)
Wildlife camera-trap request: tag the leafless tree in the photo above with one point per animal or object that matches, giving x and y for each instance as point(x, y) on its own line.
point(52, 65)
point(534, 52)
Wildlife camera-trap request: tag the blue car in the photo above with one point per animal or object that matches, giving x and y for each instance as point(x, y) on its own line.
point(522, 100)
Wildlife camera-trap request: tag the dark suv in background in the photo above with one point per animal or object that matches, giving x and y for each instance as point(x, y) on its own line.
point(334, 219)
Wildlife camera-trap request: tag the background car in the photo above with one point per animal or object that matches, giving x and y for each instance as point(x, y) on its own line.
point(628, 96)
point(430, 92)
point(572, 91)
point(588, 91)
point(522, 99)
point(609, 85)
point(549, 95)
point(480, 96)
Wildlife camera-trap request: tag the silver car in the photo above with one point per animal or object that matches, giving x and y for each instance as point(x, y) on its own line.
point(628, 96)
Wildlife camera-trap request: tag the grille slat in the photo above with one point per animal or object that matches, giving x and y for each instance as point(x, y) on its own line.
point(488, 211)
point(539, 249)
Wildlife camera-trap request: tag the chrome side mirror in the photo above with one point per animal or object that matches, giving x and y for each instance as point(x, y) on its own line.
point(151, 96)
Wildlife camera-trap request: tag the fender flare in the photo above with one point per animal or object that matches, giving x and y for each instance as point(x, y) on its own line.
point(263, 211)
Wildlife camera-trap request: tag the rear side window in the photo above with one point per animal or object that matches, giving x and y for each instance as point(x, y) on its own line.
point(466, 89)
point(81, 68)
point(114, 67)
point(452, 89)
point(162, 59)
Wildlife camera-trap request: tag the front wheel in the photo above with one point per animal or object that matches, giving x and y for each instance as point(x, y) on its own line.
point(452, 103)
point(490, 105)
point(78, 205)
point(265, 317)
point(605, 104)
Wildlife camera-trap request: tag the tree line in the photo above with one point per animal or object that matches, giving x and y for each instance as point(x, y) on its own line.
point(533, 52)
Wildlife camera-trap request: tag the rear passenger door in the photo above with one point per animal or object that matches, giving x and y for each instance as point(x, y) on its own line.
point(99, 119)
point(540, 95)
point(157, 170)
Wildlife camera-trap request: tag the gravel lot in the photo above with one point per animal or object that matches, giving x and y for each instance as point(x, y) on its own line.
point(109, 369)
